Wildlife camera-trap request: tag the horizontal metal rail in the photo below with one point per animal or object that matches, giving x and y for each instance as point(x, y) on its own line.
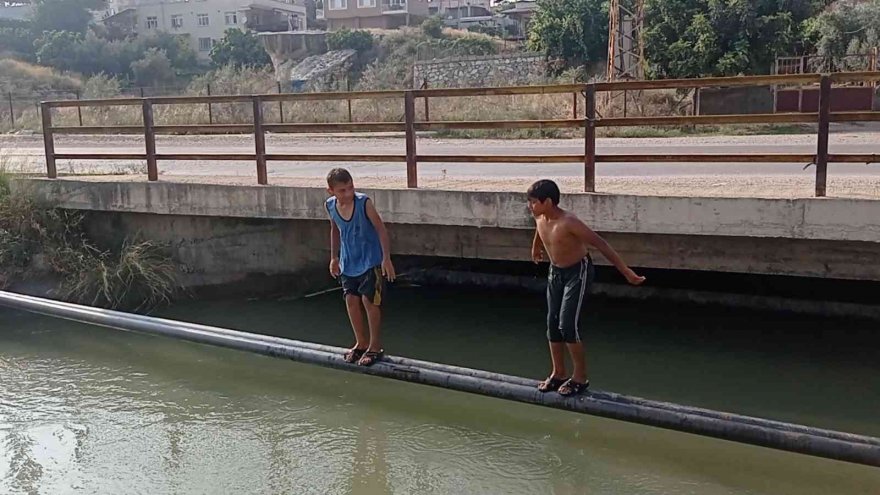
point(679, 120)
point(736, 81)
point(245, 99)
point(320, 127)
point(336, 127)
point(823, 117)
point(831, 444)
point(615, 158)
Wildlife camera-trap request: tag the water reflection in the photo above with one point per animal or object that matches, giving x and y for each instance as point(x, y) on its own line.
point(99, 411)
point(369, 473)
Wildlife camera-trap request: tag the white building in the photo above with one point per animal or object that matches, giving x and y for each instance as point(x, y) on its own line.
point(204, 22)
point(14, 10)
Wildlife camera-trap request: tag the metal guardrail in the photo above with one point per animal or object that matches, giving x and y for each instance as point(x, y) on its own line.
point(410, 126)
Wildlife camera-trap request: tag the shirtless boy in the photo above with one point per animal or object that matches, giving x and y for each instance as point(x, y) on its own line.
point(566, 241)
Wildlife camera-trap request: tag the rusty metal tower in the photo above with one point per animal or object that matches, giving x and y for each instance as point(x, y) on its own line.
point(626, 53)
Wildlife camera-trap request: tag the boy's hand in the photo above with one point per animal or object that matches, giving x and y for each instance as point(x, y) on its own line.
point(537, 255)
point(334, 267)
point(634, 279)
point(388, 269)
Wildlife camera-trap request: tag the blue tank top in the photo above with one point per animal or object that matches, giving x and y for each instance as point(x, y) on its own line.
point(360, 249)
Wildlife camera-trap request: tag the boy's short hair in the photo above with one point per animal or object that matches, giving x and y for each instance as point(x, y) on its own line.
point(543, 189)
point(338, 176)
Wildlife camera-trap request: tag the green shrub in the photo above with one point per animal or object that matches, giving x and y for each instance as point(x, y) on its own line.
point(40, 239)
point(346, 39)
point(433, 27)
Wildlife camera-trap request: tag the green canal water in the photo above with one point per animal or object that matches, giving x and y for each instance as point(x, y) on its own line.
point(96, 411)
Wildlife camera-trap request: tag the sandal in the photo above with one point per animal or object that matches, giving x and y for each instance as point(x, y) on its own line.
point(551, 384)
point(571, 388)
point(371, 357)
point(353, 355)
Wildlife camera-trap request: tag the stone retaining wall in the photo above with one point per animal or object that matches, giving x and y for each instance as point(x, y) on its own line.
point(507, 70)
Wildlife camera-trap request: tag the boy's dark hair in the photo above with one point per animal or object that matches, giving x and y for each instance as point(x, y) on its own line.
point(544, 189)
point(338, 176)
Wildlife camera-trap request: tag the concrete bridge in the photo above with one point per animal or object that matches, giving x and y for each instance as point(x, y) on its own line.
point(231, 234)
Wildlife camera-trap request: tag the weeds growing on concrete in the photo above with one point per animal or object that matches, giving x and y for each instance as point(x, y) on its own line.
point(38, 240)
point(139, 276)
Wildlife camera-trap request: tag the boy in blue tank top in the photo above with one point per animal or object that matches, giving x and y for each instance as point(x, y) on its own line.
point(360, 256)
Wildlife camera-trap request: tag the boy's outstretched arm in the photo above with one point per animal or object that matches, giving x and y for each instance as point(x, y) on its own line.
point(591, 238)
point(376, 220)
point(334, 249)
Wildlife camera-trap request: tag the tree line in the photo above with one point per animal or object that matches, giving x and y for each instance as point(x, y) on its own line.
point(61, 34)
point(682, 38)
point(701, 38)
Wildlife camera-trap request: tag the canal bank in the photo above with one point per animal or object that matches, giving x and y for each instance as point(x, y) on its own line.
point(746, 252)
point(80, 403)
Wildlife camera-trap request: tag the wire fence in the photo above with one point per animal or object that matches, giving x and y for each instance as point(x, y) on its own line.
point(21, 110)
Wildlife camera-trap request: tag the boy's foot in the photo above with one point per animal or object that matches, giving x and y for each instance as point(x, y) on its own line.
point(353, 355)
point(371, 357)
point(572, 387)
point(550, 384)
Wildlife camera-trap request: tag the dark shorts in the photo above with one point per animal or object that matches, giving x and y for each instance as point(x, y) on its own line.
point(370, 285)
point(566, 290)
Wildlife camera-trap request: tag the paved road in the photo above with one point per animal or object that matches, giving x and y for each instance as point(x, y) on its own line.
point(26, 152)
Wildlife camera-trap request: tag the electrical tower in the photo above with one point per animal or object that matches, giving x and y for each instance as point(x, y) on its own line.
point(626, 54)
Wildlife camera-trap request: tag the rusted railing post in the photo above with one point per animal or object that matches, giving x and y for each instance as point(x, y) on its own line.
point(150, 141)
point(280, 104)
point(590, 138)
point(427, 105)
point(11, 110)
point(210, 107)
point(48, 139)
point(822, 145)
point(79, 112)
point(348, 88)
point(409, 114)
point(260, 142)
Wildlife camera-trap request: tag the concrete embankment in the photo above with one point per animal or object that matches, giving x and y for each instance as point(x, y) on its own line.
point(230, 234)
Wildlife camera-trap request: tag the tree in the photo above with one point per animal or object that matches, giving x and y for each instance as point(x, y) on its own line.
point(17, 39)
point(575, 31)
point(240, 49)
point(695, 38)
point(175, 47)
point(89, 54)
point(63, 15)
point(358, 40)
point(153, 70)
point(844, 29)
point(58, 49)
point(432, 27)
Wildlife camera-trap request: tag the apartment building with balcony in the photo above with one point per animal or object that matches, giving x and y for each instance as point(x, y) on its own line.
point(452, 10)
point(204, 22)
point(381, 14)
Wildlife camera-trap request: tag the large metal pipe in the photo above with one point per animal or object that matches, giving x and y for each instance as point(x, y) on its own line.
point(757, 431)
